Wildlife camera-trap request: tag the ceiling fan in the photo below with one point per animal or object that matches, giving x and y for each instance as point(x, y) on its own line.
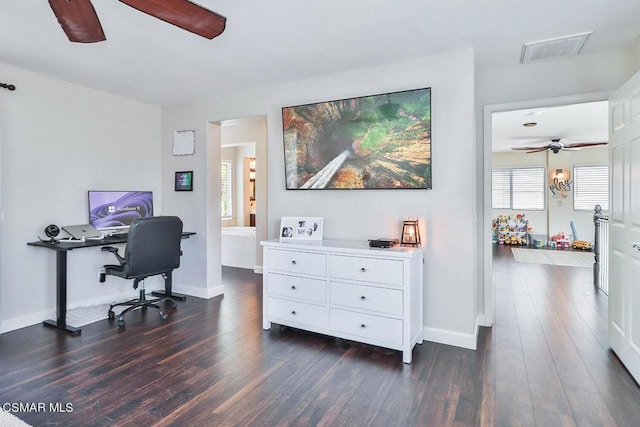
point(80, 22)
point(556, 146)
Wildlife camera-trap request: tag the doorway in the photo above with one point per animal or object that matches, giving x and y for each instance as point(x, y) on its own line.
point(490, 113)
point(243, 193)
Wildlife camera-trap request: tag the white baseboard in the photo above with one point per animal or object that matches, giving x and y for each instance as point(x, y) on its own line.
point(28, 320)
point(198, 292)
point(484, 321)
point(35, 318)
point(237, 265)
point(456, 339)
point(257, 269)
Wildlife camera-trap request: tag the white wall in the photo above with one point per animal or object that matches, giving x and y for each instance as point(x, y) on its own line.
point(58, 141)
point(447, 212)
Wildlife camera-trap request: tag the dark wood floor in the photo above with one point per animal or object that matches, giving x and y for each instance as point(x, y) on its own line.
point(545, 363)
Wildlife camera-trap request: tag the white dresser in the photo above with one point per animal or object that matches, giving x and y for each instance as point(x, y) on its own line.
point(345, 289)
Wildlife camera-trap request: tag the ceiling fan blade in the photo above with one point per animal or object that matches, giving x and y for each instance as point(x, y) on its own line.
point(184, 14)
point(78, 20)
point(584, 144)
point(531, 148)
point(536, 150)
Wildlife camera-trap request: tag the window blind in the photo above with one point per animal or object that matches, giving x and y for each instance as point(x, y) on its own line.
point(519, 188)
point(501, 188)
point(590, 187)
point(527, 188)
point(225, 189)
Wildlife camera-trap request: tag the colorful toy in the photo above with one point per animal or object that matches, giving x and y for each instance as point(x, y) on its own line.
point(582, 244)
point(512, 229)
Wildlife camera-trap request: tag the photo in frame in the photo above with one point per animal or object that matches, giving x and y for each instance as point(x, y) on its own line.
point(184, 181)
point(300, 228)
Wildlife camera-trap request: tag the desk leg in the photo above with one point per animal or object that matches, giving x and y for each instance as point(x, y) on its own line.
point(61, 297)
point(167, 290)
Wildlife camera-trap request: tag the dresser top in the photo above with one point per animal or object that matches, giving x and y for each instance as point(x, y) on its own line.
point(335, 245)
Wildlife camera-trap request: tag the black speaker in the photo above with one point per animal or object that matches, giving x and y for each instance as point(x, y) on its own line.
point(383, 243)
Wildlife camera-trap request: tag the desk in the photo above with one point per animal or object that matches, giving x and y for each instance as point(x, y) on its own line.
point(61, 249)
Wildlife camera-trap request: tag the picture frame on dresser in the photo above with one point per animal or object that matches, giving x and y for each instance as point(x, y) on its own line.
point(300, 228)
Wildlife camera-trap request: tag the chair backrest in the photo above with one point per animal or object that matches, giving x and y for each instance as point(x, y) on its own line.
point(153, 246)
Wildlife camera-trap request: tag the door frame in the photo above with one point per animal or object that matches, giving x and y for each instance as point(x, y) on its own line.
point(487, 316)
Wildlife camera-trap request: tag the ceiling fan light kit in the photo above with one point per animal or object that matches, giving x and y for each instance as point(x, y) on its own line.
point(81, 24)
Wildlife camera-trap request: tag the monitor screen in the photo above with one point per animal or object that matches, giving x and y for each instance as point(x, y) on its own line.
point(117, 209)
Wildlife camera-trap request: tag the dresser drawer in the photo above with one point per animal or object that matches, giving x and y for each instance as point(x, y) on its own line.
point(297, 313)
point(314, 290)
point(382, 300)
point(387, 271)
point(297, 262)
point(367, 326)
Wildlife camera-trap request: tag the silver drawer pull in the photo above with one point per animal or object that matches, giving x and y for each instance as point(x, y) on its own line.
point(294, 312)
point(364, 270)
point(293, 287)
point(294, 262)
point(363, 326)
point(363, 298)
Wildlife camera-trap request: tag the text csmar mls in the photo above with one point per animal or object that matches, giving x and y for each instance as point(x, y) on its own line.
point(22, 407)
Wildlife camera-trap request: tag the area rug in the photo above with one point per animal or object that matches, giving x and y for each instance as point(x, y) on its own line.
point(553, 257)
point(10, 420)
point(81, 316)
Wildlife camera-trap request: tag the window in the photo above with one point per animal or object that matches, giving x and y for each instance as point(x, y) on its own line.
point(225, 189)
point(521, 188)
point(501, 188)
point(590, 187)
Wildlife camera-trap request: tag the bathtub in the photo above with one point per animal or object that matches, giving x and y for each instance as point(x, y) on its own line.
point(239, 247)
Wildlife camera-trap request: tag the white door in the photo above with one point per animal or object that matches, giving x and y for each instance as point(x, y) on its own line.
point(624, 225)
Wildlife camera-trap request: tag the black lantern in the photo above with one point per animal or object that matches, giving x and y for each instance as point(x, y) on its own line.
point(410, 233)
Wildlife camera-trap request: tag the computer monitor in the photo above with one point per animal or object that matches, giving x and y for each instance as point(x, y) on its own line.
point(115, 210)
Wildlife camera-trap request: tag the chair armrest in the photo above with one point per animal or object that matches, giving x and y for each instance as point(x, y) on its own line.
point(114, 251)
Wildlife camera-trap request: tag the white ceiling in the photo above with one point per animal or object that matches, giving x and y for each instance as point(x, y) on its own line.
point(587, 122)
point(284, 40)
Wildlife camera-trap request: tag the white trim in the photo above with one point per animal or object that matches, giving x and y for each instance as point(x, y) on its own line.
point(457, 339)
point(199, 292)
point(485, 202)
point(483, 321)
point(126, 294)
point(257, 269)
point(28, 320)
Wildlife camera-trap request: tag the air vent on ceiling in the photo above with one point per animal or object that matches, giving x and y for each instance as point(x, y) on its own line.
point(552, 48)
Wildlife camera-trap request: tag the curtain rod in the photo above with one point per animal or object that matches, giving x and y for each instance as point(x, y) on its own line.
point(7, 86)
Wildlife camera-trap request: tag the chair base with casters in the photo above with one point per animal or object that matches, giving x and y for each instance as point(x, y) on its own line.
point(153, 249)
point(142, 303)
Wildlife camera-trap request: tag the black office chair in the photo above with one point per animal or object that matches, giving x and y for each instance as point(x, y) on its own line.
point(153, 248)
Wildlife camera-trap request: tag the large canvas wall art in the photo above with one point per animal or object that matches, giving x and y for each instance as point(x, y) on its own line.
point(371, 142)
